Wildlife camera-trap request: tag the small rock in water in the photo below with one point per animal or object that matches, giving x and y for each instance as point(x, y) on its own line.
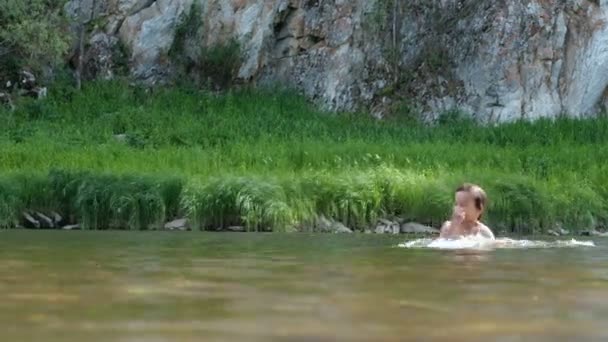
point(387, 227)
point(237, 229)
point(29, 221)
point(593, 232)
point(552, 232)
point(417, 228)
point(386, 222)
point(179, 224)
point(600, 234)
point(45, 221)
point(558, 229)
point(323, 224)
point(57, 219)
point(340, 228)
point(71, 227)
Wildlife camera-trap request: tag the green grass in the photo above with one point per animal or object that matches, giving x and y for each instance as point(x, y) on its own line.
point(268, 160)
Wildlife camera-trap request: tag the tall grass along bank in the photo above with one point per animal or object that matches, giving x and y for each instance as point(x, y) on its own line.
point(113, 156)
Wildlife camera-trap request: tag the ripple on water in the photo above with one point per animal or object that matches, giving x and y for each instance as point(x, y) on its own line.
point(481, 243)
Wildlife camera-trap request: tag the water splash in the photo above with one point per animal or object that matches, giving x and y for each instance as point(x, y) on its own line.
point(481, 243)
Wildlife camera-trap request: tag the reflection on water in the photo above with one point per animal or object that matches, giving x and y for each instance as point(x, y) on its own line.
point(469, 257)
point(123, 286)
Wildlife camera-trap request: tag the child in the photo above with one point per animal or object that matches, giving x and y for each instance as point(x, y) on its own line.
point(470, 203)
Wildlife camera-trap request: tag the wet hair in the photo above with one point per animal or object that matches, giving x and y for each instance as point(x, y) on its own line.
point(479, 195)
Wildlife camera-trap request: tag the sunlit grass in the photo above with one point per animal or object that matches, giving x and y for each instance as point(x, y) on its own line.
point(119, 157)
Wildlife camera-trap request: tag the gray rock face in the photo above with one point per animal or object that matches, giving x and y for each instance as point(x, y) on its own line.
point(502, 60)
point(149, 33)
point(99, 58)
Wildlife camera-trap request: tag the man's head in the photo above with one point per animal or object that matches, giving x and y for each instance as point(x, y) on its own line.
point(471, 199)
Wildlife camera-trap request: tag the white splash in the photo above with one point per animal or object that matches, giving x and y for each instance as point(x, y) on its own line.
point(482, 243)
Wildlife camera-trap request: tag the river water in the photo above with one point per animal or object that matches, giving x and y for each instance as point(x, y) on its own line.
point(155, 286)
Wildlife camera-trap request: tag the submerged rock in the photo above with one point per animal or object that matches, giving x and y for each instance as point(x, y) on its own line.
point(417, 228)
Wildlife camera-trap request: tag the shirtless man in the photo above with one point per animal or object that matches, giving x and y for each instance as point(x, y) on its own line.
point(470, 203)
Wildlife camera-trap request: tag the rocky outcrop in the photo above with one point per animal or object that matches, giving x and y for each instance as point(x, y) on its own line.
point(500, 60)
point(101, 58)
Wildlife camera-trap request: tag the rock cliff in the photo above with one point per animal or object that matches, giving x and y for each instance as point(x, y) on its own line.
point(499, 60)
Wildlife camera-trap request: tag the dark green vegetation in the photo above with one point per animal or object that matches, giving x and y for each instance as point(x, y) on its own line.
point(33, 33)
point(112, 156)
point(213, 67)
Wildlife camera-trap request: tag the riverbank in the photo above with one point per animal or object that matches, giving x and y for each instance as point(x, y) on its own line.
point(112, 156)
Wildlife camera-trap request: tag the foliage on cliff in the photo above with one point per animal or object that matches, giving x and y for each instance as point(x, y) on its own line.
point(33, 35)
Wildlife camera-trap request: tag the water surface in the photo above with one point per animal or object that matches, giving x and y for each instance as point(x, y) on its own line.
point(153, 286)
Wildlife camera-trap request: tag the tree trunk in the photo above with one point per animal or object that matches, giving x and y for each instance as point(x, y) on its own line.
point(81, 38)
point(80, 52)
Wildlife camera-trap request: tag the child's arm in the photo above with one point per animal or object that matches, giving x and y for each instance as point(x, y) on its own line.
point(486, 232)
point(445, 230)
